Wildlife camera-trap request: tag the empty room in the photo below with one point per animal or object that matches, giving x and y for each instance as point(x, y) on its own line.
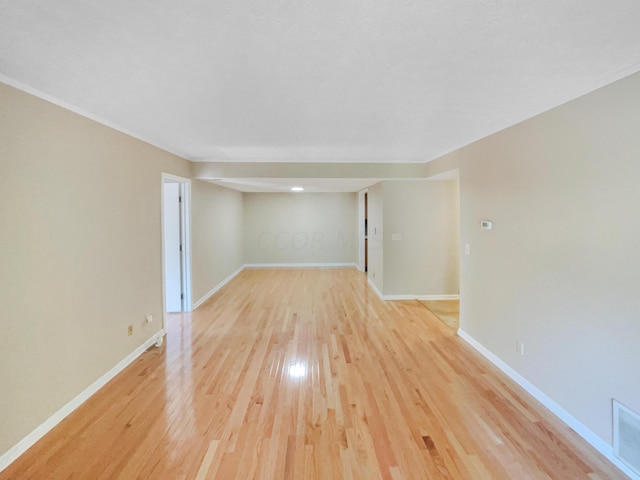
point(339, 240)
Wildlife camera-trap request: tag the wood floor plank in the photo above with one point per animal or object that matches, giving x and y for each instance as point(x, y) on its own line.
point(306, 374)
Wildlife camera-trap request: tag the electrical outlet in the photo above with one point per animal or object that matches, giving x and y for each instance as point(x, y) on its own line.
point(520, 347)
point(130, 330)
point(149, 318)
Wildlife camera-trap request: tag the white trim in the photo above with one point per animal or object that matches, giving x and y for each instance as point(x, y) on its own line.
point(79, 111)
point(594, 440)
point(186, 235)
point(300, 265)
point(175, 178)
point(27, 442)
point(375, 288)
point(185, 191)
point(207, 295)
point(411, 296)
point(421, 297)
point(437, 297)
point(361, 233)
point(398, 297)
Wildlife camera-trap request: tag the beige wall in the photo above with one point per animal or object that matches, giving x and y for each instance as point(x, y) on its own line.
point(81, 241)
point(80, 256)
point(425, 259)
point(300, 228)
point(216, 236)
point(560, 269)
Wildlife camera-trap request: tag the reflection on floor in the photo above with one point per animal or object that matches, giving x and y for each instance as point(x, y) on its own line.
point(307, 374)
point(446, 310)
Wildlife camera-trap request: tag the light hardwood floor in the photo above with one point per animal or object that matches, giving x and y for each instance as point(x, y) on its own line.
point(446, 310)
point(291, 374)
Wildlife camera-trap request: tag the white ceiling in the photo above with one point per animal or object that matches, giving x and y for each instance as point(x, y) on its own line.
point(304, 81)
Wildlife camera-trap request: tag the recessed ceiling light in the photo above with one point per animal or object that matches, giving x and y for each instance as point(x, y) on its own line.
point(297, 189)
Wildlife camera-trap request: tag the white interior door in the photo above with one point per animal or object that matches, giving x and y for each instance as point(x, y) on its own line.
point(172, 247)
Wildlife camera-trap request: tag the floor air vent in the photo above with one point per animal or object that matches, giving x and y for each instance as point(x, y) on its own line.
point(626, 436)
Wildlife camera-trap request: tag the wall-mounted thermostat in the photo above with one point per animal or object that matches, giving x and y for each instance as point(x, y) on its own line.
point(486, 224)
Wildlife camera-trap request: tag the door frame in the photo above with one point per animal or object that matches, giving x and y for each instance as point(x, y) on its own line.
point(185, 234)
point(361, 232)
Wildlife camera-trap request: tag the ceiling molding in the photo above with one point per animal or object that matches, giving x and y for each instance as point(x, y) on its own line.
point(293, 82)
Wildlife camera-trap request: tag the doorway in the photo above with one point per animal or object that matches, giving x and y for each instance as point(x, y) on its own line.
point(447, 307)
point(363, 242)
point(366, 232)
point(176, 259)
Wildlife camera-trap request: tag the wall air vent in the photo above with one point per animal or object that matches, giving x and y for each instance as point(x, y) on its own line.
point(626, 436)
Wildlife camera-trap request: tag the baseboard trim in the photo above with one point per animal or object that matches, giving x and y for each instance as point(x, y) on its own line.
point(398, 297)
point(411, 296)
point(375, 288)
point(208, 295)
point(27, 442)
point(437, 297)
point(420, 297)
point(594, 440)
point(300, 265)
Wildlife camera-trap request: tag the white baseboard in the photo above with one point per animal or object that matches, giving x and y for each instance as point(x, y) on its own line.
point(594, 440)
point(420, 297)
point(398, 297)
point(437, 297)
point(375, 288)
point(207, 295)
point(300, 265)
point(410, 296)
point(23, 445)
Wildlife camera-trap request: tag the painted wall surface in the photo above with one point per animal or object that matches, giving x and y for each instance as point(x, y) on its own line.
point(300, 228)
point(560, 269)
point(216, 236)
point(421, 245)
point(81, 254)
